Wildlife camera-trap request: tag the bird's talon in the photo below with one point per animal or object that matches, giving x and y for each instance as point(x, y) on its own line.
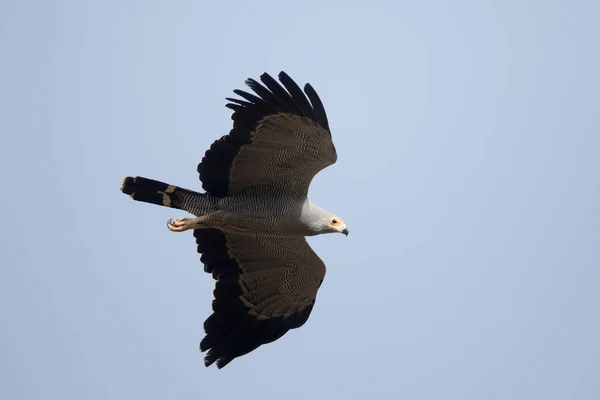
point(177, 225)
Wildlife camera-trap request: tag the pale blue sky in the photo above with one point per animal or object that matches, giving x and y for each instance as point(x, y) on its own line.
point(469, 155)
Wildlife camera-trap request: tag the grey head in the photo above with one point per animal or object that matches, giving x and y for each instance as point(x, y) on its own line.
point(319, 221)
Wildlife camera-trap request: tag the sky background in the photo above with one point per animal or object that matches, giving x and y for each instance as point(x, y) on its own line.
point(469, 155)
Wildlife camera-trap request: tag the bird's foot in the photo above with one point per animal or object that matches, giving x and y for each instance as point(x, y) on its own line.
point(178, 225)
point(182, 224)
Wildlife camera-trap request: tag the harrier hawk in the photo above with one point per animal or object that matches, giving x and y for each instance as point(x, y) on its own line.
point(251, 223)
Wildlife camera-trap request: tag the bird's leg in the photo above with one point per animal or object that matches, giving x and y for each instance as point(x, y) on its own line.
point(183, 224)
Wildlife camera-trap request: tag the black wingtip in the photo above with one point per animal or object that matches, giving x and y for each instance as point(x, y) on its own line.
point(317, 105)
point(265, 75)
point(221, 362)
point(283, 75)
point(208, 361)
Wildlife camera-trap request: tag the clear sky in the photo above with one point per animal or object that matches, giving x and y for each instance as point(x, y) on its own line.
point(469, 157)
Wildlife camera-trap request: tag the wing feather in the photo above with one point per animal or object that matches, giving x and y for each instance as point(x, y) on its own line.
point(320, 114)
point(264, 288)
point(277, 134)
point(297, 96)
point(280, 93)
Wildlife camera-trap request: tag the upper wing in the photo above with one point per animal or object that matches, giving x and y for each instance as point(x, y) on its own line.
point(264, 288)
point(279, 138)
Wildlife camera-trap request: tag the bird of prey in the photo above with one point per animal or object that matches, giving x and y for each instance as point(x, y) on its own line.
point(250, 224)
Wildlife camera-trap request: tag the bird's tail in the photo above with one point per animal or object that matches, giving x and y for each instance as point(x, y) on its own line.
point(162, 194)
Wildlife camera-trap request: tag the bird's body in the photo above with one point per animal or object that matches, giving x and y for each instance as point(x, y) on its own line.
point(291, 217)
point(251, 223)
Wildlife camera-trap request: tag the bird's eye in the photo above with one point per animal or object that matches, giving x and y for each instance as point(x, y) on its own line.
point(334, 221)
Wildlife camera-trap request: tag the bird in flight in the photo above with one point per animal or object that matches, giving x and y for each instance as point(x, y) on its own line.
point(252, 221)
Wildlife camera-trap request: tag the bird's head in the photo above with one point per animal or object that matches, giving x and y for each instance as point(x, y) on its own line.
point(320, 221)
point(336, 225)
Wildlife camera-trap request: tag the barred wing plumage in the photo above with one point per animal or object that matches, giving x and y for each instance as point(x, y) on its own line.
point(264, 288)
point(280, 138)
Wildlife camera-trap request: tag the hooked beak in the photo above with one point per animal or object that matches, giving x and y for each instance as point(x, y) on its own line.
point(345, 231)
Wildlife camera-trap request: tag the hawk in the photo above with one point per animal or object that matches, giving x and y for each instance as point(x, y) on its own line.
point(252, 221)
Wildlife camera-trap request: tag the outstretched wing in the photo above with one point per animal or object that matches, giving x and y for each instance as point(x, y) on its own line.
point(280, 138)
point(264, 288)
